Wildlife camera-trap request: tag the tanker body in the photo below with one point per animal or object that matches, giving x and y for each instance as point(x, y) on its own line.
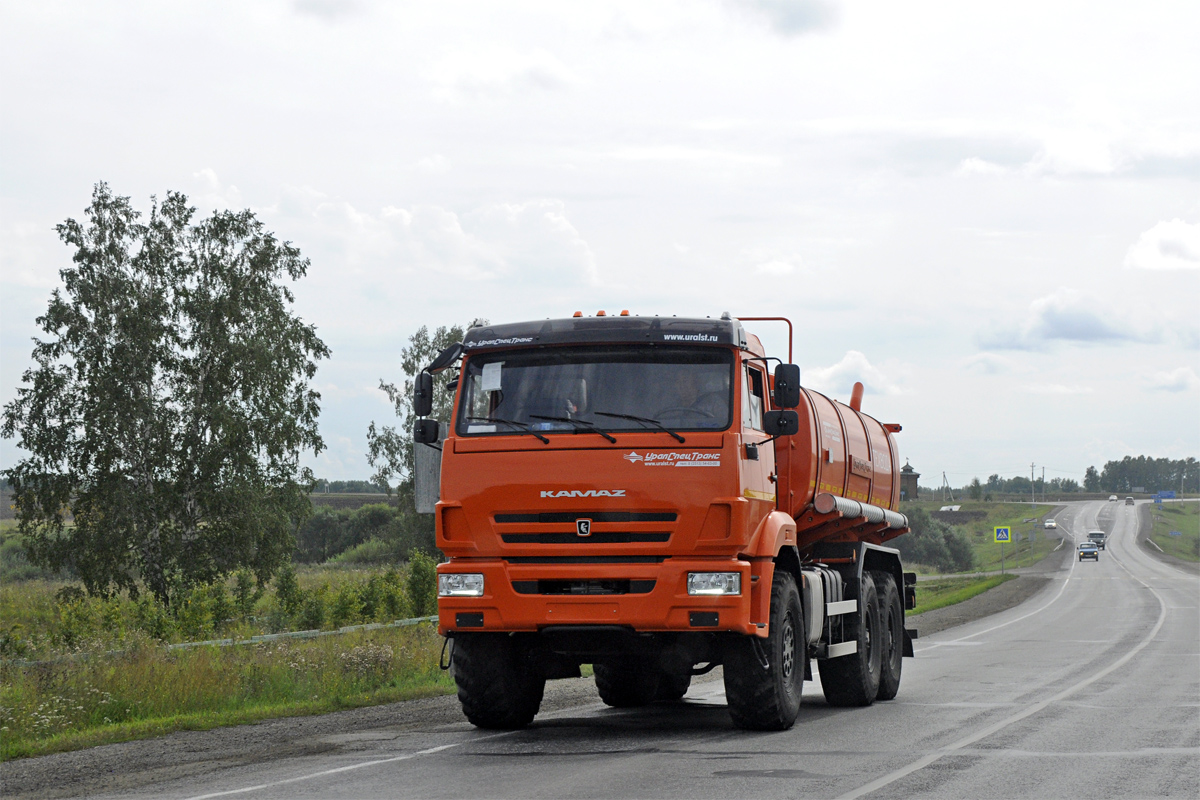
point(643, 495)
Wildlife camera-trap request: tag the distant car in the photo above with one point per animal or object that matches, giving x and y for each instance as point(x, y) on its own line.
point(1088, 550)
point(1098, 538)
point(1051, 524)
point(1128, 501)
point(1112, 498)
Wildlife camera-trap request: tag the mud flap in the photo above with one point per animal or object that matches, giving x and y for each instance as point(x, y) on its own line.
point(909, 635)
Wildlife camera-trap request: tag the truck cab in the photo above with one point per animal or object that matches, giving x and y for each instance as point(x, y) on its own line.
point(612, 493)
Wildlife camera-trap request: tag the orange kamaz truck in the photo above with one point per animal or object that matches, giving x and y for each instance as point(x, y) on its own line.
point(646, 495)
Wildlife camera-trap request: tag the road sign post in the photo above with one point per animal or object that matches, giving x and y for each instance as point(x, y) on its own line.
point(1003, 534)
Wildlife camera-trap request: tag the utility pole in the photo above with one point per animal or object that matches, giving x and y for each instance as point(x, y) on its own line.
point(1032, 486)
point(1043, 484)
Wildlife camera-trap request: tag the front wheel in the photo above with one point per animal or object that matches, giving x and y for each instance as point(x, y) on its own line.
point(498, 685)
point(764, 678)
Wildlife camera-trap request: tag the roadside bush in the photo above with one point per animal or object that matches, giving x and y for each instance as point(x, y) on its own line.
point(422, 584)
point(372, 551)
point(15, 564)
point(935, 544)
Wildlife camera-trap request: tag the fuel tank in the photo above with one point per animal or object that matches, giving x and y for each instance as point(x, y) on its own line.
point(840, 451)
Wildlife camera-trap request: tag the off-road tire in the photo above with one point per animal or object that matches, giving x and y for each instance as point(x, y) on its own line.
point(625, 686)
point(891, 624)
point(853, 680)
point(498, 685)
point(673, 686)
point(769, 699)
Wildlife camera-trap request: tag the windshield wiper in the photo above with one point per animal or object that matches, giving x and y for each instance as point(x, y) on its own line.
point(636, 418)
point(575, 423)
point(520, 426)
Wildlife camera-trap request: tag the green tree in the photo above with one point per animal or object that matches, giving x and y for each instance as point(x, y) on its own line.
point(169, 404)
point(1091, 480)
point(390, 451)
point(975, 489)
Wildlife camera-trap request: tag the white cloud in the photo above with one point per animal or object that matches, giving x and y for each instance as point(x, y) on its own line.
point(1056, 388)
point(840, 378)
point(1075, 152)
point(496, 71)
point(988, 364)
point(1067, 315)
point(685, 153)
point(1168, 245)
point(1177, 380)
point(211, 195)
point(978, 166)
point(789, 17)
point(776, 267)
point(433, 164)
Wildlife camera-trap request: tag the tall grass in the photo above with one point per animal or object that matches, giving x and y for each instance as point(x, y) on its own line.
point(149, 690)
point(48, 619)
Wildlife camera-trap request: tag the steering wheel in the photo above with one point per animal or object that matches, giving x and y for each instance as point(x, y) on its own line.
point(685, 410)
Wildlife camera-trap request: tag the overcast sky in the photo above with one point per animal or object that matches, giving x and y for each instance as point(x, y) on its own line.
point(988, 213)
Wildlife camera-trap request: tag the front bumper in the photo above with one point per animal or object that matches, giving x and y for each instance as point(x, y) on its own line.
point(665, 607)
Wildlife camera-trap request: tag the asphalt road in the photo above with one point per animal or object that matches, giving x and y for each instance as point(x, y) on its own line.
point(1089, 689)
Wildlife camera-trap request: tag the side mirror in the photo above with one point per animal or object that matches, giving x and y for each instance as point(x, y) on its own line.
point(781, 423)
point(423, 394)
point(787, 386)
point(445, 358)
point(425, 431)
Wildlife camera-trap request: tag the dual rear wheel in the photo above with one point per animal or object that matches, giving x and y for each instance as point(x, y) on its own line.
point(873, 672)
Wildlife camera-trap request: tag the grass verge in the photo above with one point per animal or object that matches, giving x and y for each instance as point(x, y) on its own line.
point(148, 691)
point(1183, 518)
point(942, 592)
point(978, 519)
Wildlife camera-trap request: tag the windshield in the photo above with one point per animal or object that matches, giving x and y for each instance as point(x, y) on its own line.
point(579, 389)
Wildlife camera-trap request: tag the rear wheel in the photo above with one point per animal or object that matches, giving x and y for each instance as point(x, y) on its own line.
point(891, 615)
point(764, 678)
point(853, 680)
point(625, 686)
point(673, 686)
point(498, 685)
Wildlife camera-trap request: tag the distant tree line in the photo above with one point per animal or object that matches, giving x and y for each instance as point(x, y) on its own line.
point(1151, 474)
point(349, 487)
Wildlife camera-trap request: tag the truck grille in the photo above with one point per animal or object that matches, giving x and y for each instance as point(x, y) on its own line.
point(585, 559)
point(586, 587)
point(559, 517)
point(599, 537)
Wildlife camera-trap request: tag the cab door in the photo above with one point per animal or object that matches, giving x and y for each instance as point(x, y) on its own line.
point(757, 458)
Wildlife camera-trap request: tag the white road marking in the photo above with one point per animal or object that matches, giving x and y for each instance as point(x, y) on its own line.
point(323, 773)
point(958, 746)
point(963, 639)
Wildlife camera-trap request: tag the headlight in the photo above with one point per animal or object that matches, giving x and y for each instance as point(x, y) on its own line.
point(710, 583)
point(460, 584)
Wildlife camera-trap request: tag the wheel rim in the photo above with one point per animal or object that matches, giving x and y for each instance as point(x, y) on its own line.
point(788, 661)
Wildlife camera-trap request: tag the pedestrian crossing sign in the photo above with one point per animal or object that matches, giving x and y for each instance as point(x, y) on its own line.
point(1003, 534)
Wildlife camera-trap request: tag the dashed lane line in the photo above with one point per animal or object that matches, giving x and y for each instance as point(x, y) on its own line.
point(961, 744)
